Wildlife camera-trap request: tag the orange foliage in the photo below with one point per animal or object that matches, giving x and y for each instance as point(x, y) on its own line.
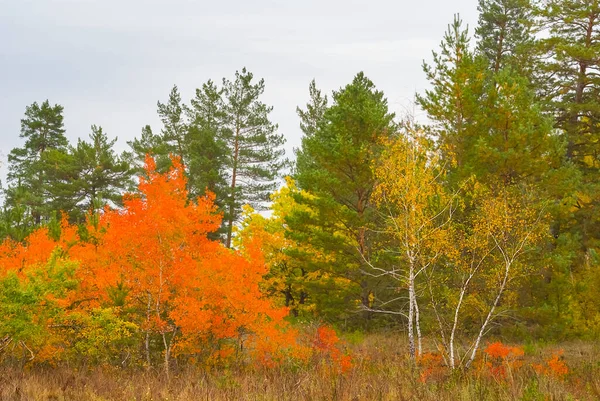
point(327, 346)
point(36, 250)
point(502, 357)
point(500, 351)
point(153, 261)
point(555, 366)
point(432, 365)
point(179, 280)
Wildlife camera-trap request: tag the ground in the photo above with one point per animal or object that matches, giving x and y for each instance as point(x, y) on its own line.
point(380, 371)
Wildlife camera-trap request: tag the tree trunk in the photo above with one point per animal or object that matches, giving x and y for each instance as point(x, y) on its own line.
point(418, 326)
point(147, 340)
point(490, 314)
point(236, 153)
point(411, 312)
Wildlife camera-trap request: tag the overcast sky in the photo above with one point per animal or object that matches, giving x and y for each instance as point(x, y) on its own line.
point(108, 62)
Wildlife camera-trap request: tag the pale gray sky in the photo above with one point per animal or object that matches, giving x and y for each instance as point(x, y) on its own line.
point(108, 62)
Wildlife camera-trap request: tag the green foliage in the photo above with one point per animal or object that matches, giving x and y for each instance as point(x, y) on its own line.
point(30, 304)
point(207, 148)
point(100, 176)
point(504, 33)
point(457, 80)
point(15, 220)
point(333, 163)
point(513, 110)
point(568, 89)
point(172, 137)
point(100, 337)
point(29, 175)
point(255, 156)
point(226, 140)
point(315, 110)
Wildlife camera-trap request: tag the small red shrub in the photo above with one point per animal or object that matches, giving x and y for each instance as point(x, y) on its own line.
point(327, 346)
point(501, 357)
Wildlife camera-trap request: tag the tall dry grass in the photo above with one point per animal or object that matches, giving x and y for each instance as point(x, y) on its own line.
point(381, 371)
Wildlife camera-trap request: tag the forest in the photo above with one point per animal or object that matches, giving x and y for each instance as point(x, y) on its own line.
point(389, 258)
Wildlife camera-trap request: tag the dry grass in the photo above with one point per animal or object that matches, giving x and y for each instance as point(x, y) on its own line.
point(381, 372)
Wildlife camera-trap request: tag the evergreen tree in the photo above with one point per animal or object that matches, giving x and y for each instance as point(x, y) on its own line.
point(570, 51)
point(61, 175)
point(505, 34)
point(315, 110)
point(174, 129)
point(572, 72)
point(15, 220)
point(43, 131)
point(102, 176)
point(226, 141)
point(492, 127)
point(255, 153)
point(487, 121)
point(207, 150)
point(170, 141)
point(333, 164)
point(147, 143)
point(458, 86)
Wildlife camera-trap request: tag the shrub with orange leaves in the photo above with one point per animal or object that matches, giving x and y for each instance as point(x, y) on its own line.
point(328, 347)
point(153, 263)
point(179, 285)
point(431, 364)
point(501, 357)
point(555, 366)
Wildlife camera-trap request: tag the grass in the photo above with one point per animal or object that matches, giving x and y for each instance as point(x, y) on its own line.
point(381, 371)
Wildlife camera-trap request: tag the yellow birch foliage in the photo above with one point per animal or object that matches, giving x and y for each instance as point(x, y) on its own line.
point(409, 192)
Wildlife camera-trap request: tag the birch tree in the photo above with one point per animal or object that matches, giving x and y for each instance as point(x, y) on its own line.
point(489, 252)
point(417, 212)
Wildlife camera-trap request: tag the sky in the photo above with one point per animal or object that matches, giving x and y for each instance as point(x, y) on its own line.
point(108, 62)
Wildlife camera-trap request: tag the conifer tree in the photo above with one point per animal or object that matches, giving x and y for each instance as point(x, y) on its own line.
point(16, 222)
point(170, 141)
point(315, 110)
point(207, 150)
point(174, 129)
point(570, 50)
point(43, 131)
point(333, 165)
point(255, 153)
point(491, 126)
point(453, 101)
point(102, 176)
point(487, 122)
point(504, 33)
point(573, 54)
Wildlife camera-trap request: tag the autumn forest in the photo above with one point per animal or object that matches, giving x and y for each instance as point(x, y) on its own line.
point(450, 257)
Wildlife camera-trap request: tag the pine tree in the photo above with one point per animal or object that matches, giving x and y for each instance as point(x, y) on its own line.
point(573, 54)
point(207, 150)
point(333, 164)
point(487, 121)
point(43, 131)
point(16, 222)
point(315, 110)
point(102, 176)
point(491, 127)
point(147, 143)
point(571, 71)
point(505, 33)
point(458, 80)
point(255, 155)
point(174, 129)
point(170, 141)
point(570, 50)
